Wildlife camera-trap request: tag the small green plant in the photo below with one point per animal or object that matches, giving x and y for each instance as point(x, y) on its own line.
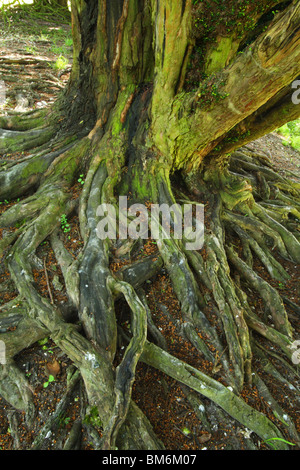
point(65, 226)
point(43, 37)
point(50, 379)
point(61, 63)
point(268, 441)
point(68, 42)
point(186, 431)
point(80, 179)
point(31, 49)
point(92, 417)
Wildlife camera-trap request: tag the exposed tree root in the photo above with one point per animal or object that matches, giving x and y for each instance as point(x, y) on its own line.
point(125, 372)
point(23, 121)
point(253, 212)
point(12, 141)
point(212, 389)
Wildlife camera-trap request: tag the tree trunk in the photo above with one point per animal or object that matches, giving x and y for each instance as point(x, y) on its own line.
point(132, 122)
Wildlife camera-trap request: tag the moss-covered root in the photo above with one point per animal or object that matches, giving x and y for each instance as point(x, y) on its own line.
point(125, 372)
point(93, 364)
point(18, 141)
point(24, 121)
point(230, 311)
point(19, 178)
point(215, 391)
point(290, 241)
point(69, 268)
point(262, 328)
point(186, 290)
point(15, 389)
point(277, 411)
point(270, 296)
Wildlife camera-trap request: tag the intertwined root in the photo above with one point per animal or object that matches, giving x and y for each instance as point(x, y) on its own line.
point(262, 217)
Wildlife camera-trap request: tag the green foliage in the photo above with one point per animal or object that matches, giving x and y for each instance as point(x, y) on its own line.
point(186, 431)
point(291, 133)
point(50, 379)
point(271, 444)
point(36, 8)
point(239, 17)
point(65, 226)
point(61, 63)
point(92, 417)
point(81, 179)
point(43, 341)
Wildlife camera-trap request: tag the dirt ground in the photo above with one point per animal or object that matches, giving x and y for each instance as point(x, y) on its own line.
point(27, 66)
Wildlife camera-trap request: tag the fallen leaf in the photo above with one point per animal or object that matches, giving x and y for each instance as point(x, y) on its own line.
point(204, 438)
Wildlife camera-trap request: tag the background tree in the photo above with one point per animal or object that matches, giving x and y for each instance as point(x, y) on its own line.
point(160, 96)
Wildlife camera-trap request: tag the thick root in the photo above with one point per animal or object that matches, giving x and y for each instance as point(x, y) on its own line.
point(93, 290)
point(223, 396)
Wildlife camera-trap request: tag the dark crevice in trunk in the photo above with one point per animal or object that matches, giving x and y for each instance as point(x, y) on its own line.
point(89, 25)
point(113, 14)
point(136, 125)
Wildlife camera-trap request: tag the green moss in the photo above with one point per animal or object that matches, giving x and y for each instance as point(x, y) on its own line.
point(116, 122)
point(219, 29)
point(211, 91)
point(220, 53)
point(93, 418)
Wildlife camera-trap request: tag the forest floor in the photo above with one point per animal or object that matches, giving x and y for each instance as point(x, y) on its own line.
point(35, 61)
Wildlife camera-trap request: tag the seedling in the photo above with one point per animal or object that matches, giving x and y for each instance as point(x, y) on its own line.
point(92, 417)
point(80, 179)
point(65, 226)
point(61, 62)
point(50, 379)
point(186, 431)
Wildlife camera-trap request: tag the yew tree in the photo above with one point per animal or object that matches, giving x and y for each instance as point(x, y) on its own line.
point(162, 100)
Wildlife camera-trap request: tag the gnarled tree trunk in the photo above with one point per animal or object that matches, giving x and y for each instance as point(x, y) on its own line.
point(158, 90)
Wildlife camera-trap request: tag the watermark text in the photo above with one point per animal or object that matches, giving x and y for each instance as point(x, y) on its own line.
point(159, 222)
